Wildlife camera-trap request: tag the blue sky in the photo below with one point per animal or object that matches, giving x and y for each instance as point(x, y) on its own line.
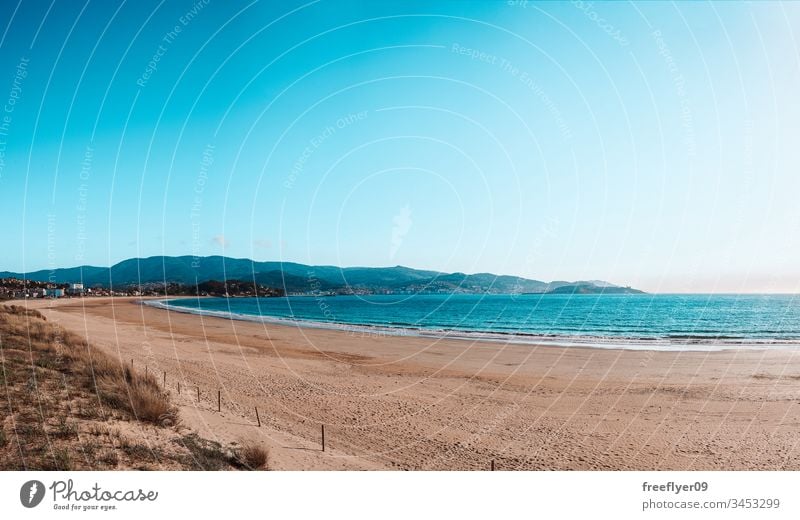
point(651, 144)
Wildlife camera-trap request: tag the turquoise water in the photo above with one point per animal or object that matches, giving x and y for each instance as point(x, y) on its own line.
point(649, 321)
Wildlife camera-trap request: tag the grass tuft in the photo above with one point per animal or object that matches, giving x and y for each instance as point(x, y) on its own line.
point(64, 398)
point(204, 454)
point(65, 428)
point(61, 461)
point(57, 349)
point(252, 456)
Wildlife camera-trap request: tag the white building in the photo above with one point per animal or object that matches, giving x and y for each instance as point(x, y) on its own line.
point(75, 289)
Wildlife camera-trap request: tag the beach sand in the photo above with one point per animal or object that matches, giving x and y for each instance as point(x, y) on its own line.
point(415, 403)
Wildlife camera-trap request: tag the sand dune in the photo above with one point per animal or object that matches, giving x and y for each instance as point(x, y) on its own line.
point(422, 403)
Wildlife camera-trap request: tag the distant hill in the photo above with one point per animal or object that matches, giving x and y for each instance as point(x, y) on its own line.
point(301, 278)
point(474, 283)
point(593, 288)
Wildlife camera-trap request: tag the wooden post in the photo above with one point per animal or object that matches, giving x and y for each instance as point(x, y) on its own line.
point(492, 464)
point(219, 400)
point(323, 437)
point(198, 394)
point(165, 378)
point(258, 418)
point(179, 388)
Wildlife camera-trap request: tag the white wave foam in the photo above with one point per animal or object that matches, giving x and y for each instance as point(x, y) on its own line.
point(588, 341)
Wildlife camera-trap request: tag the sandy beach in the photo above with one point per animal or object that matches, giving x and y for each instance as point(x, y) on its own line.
point(415, 403)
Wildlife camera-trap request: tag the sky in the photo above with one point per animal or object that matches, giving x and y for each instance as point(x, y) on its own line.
point(648, 144)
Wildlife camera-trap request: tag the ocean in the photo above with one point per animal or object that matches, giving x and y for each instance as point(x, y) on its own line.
point(638, 321)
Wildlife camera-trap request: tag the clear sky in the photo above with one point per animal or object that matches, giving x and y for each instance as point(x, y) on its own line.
point(650, 144)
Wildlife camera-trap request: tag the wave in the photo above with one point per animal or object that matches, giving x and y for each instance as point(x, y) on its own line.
point(671, 342)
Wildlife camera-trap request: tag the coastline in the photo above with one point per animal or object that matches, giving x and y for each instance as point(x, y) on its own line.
point(687, 344)
point(414, 402)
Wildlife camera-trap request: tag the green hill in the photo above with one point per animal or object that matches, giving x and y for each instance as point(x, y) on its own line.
point(301, 278)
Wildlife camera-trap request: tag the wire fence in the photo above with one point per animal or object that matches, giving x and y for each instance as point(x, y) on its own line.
point(203, 395)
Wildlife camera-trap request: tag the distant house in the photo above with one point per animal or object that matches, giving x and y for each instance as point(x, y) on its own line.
point(76, 289)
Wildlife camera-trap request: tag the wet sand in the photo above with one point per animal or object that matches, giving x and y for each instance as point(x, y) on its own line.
point(391, 402)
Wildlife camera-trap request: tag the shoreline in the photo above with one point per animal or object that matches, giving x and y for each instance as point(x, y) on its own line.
point(691, 344)
point(417, 403)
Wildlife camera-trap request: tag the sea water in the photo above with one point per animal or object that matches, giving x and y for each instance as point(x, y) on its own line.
point(662, 321)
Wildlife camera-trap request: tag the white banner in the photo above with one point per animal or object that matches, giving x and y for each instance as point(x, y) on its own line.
point(373, 495)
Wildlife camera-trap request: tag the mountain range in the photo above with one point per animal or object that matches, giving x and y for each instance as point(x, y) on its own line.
point(301, 278)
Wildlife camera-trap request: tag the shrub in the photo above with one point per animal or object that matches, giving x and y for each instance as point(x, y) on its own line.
point(204, 454)
point(115, 386)
point(66, 428)
point(138, 394)
point(252, 456)
point(61, 460)
point(109, 457)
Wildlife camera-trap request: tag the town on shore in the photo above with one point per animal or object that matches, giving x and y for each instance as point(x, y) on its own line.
point(19, 289)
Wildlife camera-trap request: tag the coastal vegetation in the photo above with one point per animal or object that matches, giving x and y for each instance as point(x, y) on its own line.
point(68, 405)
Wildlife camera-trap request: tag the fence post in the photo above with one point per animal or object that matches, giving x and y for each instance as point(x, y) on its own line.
point(179, 388)
point(165, 378)
point(219, 400)
point(198, 394)
point(258, 418)
point(323, 437)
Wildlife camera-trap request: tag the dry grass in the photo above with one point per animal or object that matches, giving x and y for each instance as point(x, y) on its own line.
point(204, 454)
point(252, 456)
point(137, 394)
point(113, 384)
point(61, 395)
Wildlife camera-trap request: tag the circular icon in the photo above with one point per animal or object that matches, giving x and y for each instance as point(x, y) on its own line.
point(31, 493)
